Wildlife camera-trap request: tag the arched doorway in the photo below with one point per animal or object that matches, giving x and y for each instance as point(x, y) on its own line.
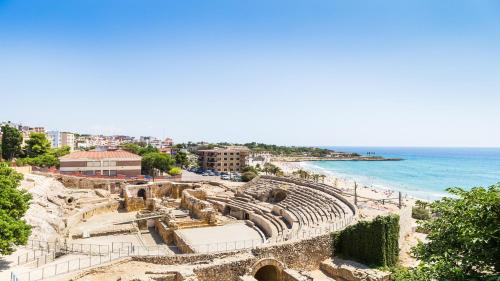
point(267, 269)
point(267, 273)
point(141, 193)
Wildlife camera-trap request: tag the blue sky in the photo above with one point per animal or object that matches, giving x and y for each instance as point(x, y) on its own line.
point(380, 73)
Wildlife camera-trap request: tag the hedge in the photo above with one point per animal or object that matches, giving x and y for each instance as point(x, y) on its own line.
point(374, 243)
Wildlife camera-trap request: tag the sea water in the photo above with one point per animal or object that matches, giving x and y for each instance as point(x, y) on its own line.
point(424, 172)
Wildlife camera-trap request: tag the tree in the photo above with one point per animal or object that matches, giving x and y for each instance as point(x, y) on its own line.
point(37, 144)
point(59, 152)
point(303, 174)
point(139, 149)
point(11, 142)
point(248, 176)
point(45, 160)
point(463, 236)
point(155, 162)
point(272, 169)
point(13, 205)
point(250, 169)
point(131, 147)
point(181, 159)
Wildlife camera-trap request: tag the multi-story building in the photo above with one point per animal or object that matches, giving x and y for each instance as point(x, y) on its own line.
point(60, 139)
point(168, 142)
point(229, 159)
point(259, 159)
point(54, 138)
point(68, 139)
point(25, 130)
point(105, 163)
point(147, 139)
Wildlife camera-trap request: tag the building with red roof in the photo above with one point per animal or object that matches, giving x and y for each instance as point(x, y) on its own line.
point(105, 163)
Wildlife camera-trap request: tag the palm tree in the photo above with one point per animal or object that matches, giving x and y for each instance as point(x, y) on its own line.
point(315, 177)
point(322, 178)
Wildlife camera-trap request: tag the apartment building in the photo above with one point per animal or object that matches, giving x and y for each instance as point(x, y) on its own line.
point(25, 130)
point(105, 163)
point(229, 159)
point(60, 139)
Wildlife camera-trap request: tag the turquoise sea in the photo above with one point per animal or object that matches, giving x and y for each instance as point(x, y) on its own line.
point(424, 172)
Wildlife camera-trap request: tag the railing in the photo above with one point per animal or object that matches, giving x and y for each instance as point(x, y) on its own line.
point(100, 254)
point(34, 255)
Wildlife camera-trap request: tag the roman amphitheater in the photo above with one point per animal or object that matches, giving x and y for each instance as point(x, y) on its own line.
point(272, 228)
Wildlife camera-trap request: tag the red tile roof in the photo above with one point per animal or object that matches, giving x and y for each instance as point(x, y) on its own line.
point(99, 155)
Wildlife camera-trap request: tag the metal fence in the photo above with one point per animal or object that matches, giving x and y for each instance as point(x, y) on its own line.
point(100, 254)
point(34, 255)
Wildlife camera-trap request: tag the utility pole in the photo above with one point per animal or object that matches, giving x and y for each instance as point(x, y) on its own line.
point(356, 193)
point(400, 200)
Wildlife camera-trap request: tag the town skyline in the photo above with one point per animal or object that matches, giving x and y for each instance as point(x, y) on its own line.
point(137, 138)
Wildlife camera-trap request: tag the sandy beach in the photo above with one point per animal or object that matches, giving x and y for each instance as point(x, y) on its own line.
point(381, 202)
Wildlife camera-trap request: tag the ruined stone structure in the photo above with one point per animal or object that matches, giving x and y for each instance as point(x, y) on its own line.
point(281, 228)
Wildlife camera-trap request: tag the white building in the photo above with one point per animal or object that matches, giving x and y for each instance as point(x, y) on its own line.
point(60, 139)
point(259, 159)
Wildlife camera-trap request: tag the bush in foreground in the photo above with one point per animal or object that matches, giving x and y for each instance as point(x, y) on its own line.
point(175, 171)
point(463, 239)
point(13, 205)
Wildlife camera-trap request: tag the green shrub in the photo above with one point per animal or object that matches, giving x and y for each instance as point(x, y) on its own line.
point(248, 176)
point(373, 243)
point(175, 171)
point(420, 213)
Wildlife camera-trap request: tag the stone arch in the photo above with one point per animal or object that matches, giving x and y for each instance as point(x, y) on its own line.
point(142, 193)
point(268, 270)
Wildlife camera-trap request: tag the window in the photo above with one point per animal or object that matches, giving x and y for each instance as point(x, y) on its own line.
point(109, 163)
point(231, 159)
point(94, 164)
point(225, 164)
point(112, 173)
point(225, 158)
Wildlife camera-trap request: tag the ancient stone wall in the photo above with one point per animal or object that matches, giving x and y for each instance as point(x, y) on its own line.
point(165, 232)
point(194, 201)
point(113, 185)
point(186, 259)
point(181, 244)
point(88, 212)
point(301, 255)
point(226, 271)
point(352, 271)
point(305, 254)
point(134, 204)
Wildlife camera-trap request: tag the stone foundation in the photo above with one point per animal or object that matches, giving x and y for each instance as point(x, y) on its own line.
point(352, 271)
